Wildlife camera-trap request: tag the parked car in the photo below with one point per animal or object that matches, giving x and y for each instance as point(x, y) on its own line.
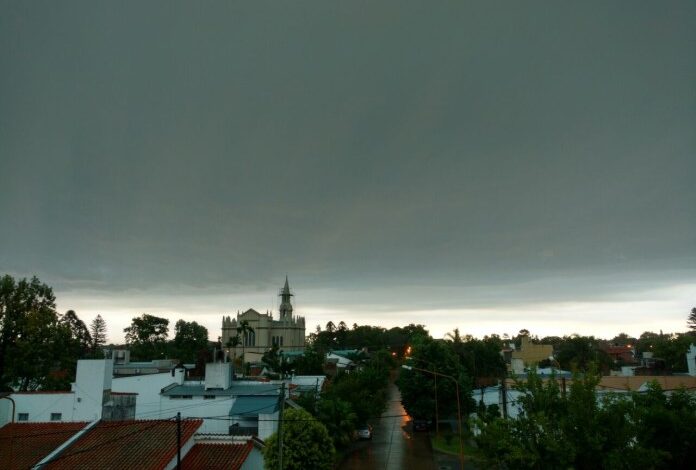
point(364, 432)
point(420, 425)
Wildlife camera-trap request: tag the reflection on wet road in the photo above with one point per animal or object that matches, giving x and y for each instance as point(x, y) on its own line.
point(393, 445)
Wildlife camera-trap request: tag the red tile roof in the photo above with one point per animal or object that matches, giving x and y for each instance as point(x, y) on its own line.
point(145, 445)
point(22, 445)
point(217, 456)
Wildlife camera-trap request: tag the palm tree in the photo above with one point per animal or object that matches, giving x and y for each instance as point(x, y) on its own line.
point(232, 343)
point(243, 330)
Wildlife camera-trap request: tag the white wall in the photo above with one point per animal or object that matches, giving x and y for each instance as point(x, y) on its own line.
point(691, 359)
point(148, 389)
point(198, 407)
point(268, 424)
point(92, 378)
point(39, 406)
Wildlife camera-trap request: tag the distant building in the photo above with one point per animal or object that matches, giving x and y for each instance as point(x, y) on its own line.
point(529, 354)
point(288, 332)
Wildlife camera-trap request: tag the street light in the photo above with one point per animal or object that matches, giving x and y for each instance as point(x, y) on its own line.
point(459, 408)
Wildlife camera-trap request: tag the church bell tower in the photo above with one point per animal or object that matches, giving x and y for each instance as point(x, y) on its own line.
point(285, 305)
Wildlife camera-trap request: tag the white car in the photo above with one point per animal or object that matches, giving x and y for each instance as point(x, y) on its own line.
point(364, 432)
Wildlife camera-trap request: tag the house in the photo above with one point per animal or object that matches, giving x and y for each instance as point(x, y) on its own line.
point(90, 398)
point(528, 355)
point(621, 354)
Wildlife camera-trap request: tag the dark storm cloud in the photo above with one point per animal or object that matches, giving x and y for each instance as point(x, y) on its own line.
point(350, 144)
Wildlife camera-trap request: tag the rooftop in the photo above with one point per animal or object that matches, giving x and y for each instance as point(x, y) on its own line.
point(22, 445)
point(237, 389)
point(144, 445)
point(253, 406)
point(217, 456)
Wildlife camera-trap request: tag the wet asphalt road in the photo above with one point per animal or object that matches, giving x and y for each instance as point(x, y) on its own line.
point(393, 445)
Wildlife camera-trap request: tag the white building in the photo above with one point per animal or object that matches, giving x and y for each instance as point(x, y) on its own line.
point(89, 399)
point(225, 405)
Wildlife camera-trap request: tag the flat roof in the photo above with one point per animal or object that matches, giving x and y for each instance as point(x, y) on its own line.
point(236, 389)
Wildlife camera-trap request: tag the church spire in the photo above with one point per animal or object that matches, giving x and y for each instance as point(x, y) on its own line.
point(285, 305)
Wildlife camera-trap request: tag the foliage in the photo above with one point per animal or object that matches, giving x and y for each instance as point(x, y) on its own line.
point(310, 363)
point(80, 337)
point(38, 347)
point(364, 336)
point(306, 443)
point(671, 348)
point(691, 320)
point(147, 337)
point(243, 331)
point(418, 393)
point(572, 430)
point(580, 352)
point(338, 417)
point(189, 339)
point(97, 330)
point(480, 358)
point(365, 389)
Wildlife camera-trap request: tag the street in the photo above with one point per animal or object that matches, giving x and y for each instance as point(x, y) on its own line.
point(393, 445)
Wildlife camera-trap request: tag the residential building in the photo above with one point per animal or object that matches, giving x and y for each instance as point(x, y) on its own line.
point(107, 445)
point(89, 399)
point(529, 355)
point(288, 332)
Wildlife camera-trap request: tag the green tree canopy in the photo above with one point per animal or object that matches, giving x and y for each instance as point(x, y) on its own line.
point(189, 339)
point(306, 444)
point(418, 387)
point(147, 336)
point(97, 331)
point(38, 348)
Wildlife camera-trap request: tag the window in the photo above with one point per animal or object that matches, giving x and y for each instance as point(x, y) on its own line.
point(281, 340)
point(187, 397)
point(23, 417)
point(209, 397)
point(56, 416)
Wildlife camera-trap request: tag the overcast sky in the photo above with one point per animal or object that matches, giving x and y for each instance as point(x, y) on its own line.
point(489, 165)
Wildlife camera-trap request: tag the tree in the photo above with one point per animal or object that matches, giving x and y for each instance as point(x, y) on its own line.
point(306, 443)
point(580, 352)
point(232, 343)
point(36, 348)
point(79, 334)
point(338, 417)
point(555, 430)
point(691, 321)
point(147, 336)
point(244, 330)
point(418, 394)
point(97, 331)
point(189, 339)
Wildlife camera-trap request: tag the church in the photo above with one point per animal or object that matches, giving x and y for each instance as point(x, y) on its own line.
point(288, 332)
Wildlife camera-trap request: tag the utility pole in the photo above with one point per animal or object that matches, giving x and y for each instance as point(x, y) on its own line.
point(178, 440)
point(280, 426)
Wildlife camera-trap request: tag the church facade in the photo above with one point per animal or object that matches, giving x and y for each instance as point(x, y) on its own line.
point(288, 332)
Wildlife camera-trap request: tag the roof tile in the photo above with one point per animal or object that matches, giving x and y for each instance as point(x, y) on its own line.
point(145, 445)
point(23, 445)
point(217, 456)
